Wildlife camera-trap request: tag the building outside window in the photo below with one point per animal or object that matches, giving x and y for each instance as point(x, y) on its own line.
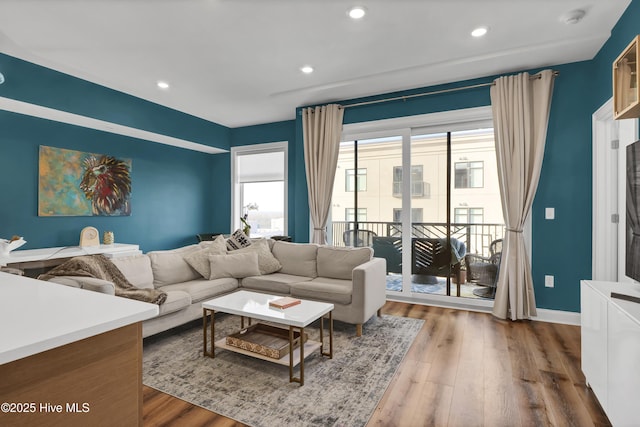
point(351, 180)
point(468, 215)
point(350, 214)
point(417, 184)
point(416, 215)
point(469, 174)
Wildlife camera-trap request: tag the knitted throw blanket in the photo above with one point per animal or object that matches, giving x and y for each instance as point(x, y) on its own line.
point(100, 267)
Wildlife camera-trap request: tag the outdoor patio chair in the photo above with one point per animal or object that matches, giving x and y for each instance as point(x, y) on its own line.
point(358, 237)
point(432, 257)
point(484, 271)
point(389, 248)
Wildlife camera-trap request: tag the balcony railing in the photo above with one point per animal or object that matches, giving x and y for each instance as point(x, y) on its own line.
point(477, 237)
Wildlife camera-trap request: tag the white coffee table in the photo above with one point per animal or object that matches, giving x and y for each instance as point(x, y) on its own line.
point(255, 305)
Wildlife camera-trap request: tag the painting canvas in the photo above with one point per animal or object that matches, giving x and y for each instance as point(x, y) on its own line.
point(75, 183)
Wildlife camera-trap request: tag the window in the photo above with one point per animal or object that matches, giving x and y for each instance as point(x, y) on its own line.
point(468, 215)
point(349, 214)
point(416, 215)
point(469, 174)
point(259, 175)
point(419, 188)
point(351, 179)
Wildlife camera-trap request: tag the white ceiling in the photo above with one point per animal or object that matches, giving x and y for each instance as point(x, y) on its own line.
point(237, 62)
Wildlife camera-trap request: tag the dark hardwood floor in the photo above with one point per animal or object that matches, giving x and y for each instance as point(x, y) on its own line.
point(464, 369)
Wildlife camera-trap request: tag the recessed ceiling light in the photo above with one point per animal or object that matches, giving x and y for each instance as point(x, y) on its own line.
point(479, 32)
point(163, 85)
point(357, 12)
point(307, 69)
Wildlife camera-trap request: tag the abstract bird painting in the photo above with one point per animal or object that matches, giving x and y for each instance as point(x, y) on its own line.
point(107, 184)
point(75, 183)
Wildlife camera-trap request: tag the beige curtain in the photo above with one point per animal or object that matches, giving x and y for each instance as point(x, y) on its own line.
point(521, 107)
point(321, 128)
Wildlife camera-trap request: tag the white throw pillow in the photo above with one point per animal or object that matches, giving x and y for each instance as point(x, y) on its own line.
point(234, 265)
point(169, 267)
point(199, 260)
point(267, 263)
point(238, 240)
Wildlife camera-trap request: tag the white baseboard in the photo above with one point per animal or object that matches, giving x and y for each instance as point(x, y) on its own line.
point(544, 314)
point(557, 316)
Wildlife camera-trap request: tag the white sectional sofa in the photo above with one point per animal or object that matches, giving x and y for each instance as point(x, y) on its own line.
point(350, 278)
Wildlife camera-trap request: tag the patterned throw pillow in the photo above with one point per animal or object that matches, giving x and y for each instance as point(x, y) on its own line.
point(238, 240)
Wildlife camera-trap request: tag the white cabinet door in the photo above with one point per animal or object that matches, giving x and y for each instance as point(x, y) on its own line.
point(594, 340)
point(624, 368)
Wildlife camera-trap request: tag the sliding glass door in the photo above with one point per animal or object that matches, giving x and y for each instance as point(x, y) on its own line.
point(422, 198)
point(431, 262)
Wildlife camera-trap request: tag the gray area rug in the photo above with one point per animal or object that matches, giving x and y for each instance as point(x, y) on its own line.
point(343, 391)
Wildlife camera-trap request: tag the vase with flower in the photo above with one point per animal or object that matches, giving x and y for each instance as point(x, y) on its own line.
point(244, 219)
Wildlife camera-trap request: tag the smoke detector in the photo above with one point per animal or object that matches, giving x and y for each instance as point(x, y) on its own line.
point(573, 17)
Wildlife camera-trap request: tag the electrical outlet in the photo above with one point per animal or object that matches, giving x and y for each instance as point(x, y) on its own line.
point(549, 281)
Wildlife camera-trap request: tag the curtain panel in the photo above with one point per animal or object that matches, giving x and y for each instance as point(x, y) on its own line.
point(322, 129)
point(521, 105)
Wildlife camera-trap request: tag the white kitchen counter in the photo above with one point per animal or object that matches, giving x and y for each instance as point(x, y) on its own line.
point(36, 316)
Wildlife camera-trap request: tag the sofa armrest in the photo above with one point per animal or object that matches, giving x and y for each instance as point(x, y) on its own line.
point(369, 287)
point(89, 283)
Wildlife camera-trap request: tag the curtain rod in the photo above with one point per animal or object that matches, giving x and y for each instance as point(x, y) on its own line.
point(416, 95)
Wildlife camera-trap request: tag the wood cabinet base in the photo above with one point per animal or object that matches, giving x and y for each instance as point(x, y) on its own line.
point(92, 382)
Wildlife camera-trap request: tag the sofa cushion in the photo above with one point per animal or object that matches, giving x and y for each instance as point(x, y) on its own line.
point(323, 289)
point(276, 282)
point(170, 267)
point(267, 263)
point(203, 289)
point(338, 263)
point(219, 242)
point(238, 240)
point(137, 270)
point(176, 300)
point(298, 259)
point(234, 265)
point(199, 259)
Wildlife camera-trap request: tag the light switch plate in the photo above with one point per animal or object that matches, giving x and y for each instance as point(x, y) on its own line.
point(549, 213)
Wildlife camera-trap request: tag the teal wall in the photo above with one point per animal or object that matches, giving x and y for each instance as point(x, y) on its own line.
point(561, 247)
point(565, 182)
point(173, 189)
point(38, 85)
point(177, 193)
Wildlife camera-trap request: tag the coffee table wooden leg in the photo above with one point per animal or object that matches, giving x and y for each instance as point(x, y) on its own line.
point(290, 354)
point(331, 335)
point(206, 311)
point(301, 344)
point(299, 379)
point(330, 352)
